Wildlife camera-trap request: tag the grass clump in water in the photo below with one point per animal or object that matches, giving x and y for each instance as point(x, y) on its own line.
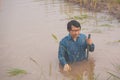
point(118, 41)
point(79, 17)
point(16, 71)
point(114, 75)
point(118, 1)
point(85, 16)
point(50, 69)
point(55, 38)
point(106, 25)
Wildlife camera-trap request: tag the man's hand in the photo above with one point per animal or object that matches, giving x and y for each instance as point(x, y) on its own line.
point(67, 68)
point(89, 41)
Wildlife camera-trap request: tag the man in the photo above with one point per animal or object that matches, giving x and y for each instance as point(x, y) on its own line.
point(72, 48)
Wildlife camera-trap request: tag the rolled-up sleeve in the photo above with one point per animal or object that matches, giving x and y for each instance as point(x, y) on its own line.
point(61, 54)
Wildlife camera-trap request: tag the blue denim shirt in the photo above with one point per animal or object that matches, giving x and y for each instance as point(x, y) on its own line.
point(72, 51)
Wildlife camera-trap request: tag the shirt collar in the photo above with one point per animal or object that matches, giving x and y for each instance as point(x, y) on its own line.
point(70, 37)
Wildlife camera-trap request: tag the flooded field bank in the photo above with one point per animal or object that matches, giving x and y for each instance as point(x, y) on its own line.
point(26, 42)
point(112, 7)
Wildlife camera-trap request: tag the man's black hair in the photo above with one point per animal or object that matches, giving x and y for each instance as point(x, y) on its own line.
point(73, 23)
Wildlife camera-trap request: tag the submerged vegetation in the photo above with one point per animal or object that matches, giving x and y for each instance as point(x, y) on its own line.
point(118, 41)
point(115, 75)
point(106, 25)
point(81, 17)
point(16, 71)
point(55, 37)
point(111, 6)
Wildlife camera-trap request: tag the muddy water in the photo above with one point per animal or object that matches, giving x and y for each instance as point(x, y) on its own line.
point(26, 41)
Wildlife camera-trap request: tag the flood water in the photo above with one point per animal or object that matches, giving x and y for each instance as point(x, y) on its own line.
point(26, 42)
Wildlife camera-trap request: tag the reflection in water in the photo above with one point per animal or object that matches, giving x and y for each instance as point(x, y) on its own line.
point(81, 70)
point(68, 8)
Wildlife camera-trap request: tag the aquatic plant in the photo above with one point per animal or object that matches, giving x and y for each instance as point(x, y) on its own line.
point(50, 69)
point(81, 17)
point(16, 71)
point(118, 41)
point(55, 37)
point(115, 74)
point(41, 70)
point(118, 1)
point(106, 25)
point(33, 60)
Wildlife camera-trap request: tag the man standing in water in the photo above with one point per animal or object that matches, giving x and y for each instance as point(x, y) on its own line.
point(72, 48)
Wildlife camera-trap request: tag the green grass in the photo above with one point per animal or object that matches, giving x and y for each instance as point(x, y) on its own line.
point(118, 1)
point(83, 22)
point(114, 42)
point(118, 41)
point(115, 1)
point(16, 71)
point(81, 17)
point(55, 38)
point(106, 25)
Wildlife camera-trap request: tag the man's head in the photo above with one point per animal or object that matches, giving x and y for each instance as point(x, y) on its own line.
point(74, 28)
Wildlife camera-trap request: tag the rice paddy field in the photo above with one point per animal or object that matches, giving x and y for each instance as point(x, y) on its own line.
point(30, 31)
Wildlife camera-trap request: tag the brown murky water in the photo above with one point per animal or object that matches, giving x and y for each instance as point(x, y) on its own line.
point(25, 37)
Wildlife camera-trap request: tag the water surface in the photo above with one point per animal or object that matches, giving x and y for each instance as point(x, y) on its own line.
point(25, 35)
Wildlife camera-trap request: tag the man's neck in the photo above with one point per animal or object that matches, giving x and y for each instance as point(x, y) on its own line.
point(74, 39)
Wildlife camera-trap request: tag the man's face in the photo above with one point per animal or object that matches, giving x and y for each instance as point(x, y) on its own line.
point(74, 32)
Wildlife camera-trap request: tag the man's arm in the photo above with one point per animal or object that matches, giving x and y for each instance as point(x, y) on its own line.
point(62, 60)
point(61, 54)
